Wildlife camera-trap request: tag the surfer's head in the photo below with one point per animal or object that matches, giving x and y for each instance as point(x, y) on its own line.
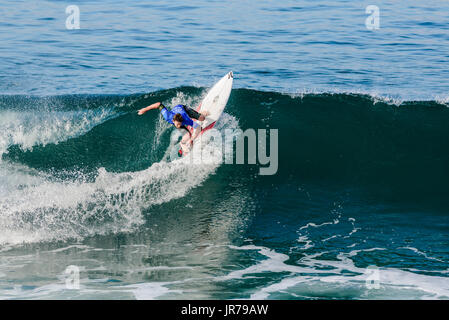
point(177, 120)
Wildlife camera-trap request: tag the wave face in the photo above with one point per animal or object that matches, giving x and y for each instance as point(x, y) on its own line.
point(355, 174)
point(355, 140)
point(340, 138)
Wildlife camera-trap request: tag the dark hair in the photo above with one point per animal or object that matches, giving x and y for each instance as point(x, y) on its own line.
point(178, 117)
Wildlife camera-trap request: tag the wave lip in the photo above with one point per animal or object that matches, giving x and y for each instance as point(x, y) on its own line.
point(27, 128)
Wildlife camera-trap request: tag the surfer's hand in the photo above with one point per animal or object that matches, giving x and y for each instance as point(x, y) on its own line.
point(141, 112)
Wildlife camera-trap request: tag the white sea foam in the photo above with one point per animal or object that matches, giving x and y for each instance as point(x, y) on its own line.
point(421, 253)
point(30, 128)
point(375, 96)
point(340, 274)
point(307, 242)
point(314, 225)
point(150, 290)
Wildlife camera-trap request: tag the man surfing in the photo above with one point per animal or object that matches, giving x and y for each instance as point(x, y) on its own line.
point(181, 117)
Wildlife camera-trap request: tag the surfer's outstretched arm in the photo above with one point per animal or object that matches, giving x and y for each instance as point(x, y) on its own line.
point(151, 107)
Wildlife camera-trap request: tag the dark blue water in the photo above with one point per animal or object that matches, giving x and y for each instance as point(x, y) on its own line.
point(362, 188)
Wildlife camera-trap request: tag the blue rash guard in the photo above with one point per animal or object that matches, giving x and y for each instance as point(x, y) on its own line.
point(169, 114)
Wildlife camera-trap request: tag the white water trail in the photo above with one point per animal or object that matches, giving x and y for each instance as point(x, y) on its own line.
point(45, 210)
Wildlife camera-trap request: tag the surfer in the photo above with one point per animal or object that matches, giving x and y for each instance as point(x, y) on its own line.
point(181, 117)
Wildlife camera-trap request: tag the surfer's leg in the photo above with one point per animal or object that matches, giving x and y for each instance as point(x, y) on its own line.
point(185, 138)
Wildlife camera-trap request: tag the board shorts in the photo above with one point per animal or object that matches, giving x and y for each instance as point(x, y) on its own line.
point(192, 113)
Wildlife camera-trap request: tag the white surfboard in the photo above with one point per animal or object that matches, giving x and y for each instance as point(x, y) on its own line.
point(214, 103)
point(216, 100)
